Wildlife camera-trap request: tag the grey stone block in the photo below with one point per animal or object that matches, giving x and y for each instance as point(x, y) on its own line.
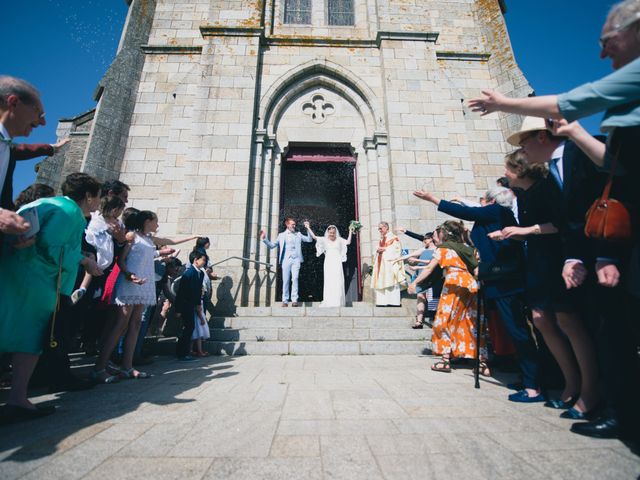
point(248, 348)
point(243, 334)
point(399, 334)
point(253, 311)
point(151, 468)
point(322, 334)
point(261, 322)
point(319, 322)
point(264, 469)
point(399, 347)
point(324, 348)
point(323, 312)
point(383, 322)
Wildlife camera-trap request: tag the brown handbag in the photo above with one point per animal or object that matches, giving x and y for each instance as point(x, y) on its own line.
point(609, 219)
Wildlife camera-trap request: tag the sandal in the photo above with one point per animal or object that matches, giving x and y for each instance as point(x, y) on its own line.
point(203, 354)
point(417, 325)
point(101, 376)
point(442, 366)
point(485, 371)
point(133, 373)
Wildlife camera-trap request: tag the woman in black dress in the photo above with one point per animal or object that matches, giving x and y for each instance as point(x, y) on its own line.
point(538, 201)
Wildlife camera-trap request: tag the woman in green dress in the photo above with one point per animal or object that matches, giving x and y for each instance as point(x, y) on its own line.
point(29, 278)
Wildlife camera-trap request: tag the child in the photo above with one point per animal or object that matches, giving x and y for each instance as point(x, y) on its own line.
point(188, 302)
point(98, 234)
point(201, 329)
point(134, 290)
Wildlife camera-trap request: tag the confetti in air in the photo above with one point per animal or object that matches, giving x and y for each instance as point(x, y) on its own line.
point(94, 26)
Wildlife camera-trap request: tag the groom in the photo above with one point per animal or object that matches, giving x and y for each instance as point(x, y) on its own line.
point(290, 257)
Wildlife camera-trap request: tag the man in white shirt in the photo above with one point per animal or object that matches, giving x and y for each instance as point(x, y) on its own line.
point(20, 112)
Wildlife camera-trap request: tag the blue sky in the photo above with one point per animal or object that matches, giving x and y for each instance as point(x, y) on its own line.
point(64, 47)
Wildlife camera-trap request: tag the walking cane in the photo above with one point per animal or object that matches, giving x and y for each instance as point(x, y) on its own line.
point(478, 323)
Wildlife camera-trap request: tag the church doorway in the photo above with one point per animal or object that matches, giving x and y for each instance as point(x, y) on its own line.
point(319, 185)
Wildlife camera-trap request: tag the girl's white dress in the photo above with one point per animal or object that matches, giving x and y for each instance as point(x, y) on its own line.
point(335, 253)
point(202, 331)
point(139, 262)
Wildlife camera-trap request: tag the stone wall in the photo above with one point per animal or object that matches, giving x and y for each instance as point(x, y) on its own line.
point(217, 93)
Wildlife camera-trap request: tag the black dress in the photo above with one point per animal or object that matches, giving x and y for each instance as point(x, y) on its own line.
point(540, 204)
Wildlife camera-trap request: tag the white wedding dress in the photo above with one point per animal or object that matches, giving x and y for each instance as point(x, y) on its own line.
point(335, 253)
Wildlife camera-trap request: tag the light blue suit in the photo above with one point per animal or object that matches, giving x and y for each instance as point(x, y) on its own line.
point(290, 258)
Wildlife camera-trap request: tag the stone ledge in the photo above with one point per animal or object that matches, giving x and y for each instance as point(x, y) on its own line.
point(213, 31)
point(171, 49)
point(410, 36)
point(463, 56)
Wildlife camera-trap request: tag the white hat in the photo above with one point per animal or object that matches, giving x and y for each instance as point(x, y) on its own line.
point(529, 124)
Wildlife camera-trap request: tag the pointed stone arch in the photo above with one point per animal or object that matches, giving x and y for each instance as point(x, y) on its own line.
point(330, 75)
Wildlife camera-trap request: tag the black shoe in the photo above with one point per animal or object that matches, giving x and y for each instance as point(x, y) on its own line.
point(602, 427)
point(559, 404)
point(73, 384)
point(574, 414)
point(14, 414)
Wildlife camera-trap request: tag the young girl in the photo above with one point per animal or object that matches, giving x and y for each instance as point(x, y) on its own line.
point(98, 234)
point(201, 329)
point(418, 259)
point(134, 290)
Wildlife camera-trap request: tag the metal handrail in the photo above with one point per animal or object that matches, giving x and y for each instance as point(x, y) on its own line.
point(268, 265)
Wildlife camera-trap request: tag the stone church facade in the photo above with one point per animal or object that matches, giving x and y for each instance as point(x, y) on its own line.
point(223, 116)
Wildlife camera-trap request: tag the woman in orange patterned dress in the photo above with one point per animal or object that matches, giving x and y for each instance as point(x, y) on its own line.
point(454, 331)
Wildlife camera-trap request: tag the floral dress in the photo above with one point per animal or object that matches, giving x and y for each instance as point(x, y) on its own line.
point(454, 329)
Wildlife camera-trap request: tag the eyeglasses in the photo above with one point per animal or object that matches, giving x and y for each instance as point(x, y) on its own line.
point(604, 39)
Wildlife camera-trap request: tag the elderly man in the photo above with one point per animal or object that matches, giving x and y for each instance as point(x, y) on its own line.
point(20, 112)
point(387, 274)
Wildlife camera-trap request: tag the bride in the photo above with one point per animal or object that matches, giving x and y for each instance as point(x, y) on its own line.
point(334, 248)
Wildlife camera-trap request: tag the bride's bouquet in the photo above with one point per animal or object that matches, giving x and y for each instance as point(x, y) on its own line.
point(355, 226)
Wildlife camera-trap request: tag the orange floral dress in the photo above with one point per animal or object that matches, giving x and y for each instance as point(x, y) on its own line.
point(454, 326)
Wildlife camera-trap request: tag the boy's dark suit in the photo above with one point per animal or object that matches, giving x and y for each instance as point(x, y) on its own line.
point(188, 297)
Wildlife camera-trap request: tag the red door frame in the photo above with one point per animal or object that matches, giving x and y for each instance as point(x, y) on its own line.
point(315, 155)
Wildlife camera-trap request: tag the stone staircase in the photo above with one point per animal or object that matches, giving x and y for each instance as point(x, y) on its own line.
point(310, 330)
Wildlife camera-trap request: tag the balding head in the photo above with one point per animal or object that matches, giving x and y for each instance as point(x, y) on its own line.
point(20, 106)
point(22, 89)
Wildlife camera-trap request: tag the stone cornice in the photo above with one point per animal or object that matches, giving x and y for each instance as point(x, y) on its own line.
point(315, 41)
point(171, 49)
point(409, 36)
point(215, 31)
point(318, 41)
point(463, 56)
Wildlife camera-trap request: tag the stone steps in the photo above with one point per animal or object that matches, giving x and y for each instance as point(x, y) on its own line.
point(360, 329)
point(277, 347)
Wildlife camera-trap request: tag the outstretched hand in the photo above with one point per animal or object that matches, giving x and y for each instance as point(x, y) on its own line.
point(490, 102)
point(263, 235)
point(58, 145)
point(424, 195)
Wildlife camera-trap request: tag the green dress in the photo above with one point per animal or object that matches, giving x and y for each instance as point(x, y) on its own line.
point(28, 277)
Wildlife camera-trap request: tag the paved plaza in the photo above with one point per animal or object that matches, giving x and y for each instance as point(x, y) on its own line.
point(311, 417)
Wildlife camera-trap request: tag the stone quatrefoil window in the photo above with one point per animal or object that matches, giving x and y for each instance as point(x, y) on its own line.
point(318, 109)
point(338, 12)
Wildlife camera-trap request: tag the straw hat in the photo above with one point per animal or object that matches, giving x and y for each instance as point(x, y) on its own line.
point(529, 124)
